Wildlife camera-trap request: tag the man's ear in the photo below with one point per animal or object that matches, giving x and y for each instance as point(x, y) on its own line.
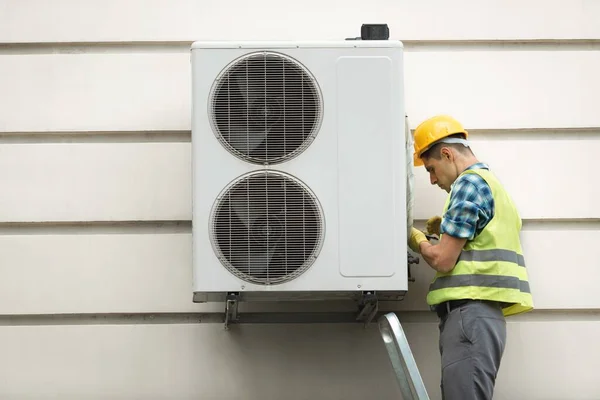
point(446, 153)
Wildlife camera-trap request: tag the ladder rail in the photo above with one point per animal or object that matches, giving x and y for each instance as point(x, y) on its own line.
point(401, 357)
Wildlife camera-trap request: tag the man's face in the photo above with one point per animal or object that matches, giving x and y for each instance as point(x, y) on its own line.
point(441, 172)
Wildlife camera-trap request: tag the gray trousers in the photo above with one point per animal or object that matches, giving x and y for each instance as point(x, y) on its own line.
point(472, 341)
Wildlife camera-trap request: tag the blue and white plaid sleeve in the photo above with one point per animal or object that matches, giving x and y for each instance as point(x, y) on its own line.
point(471, 207)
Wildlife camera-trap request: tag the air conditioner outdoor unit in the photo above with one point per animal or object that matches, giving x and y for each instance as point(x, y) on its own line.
point(299, 170)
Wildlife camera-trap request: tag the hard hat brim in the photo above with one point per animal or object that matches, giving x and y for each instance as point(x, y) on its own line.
point(417, 161)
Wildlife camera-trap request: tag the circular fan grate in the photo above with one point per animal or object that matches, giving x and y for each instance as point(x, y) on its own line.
point(265, 108)
point(267, 228)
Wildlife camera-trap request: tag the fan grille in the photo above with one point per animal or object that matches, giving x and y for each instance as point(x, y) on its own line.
point(267, 228)
point(265, 108)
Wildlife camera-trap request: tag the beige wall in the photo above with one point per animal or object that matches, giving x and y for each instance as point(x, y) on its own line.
point(95, 206)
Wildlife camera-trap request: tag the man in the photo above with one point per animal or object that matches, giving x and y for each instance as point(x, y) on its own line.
point(481, 275)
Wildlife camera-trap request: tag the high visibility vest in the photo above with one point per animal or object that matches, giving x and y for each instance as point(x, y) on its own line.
point(491, 266)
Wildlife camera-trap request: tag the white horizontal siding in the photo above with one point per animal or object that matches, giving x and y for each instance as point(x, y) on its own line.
point(95, 92)
point(80, 273)
point(95, 182)
point(183, 20)
point(120, 92)
point(151, 272)
point(505, 89)
point(543, 360)
point(152, 181)
point(191, 362)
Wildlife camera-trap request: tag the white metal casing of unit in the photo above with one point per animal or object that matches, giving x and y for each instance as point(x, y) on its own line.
point(354, 167)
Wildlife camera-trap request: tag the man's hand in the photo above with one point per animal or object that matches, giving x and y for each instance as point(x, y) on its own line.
point(415, 239)
point(433, 225)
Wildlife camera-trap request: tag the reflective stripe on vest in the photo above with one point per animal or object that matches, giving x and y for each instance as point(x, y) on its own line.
point(491, 266)
point(498, 281)
point(492, 255)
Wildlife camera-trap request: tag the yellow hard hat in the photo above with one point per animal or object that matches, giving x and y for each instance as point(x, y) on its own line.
point(432, 130)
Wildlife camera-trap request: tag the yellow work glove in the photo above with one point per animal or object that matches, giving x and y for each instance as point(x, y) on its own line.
point(416, 237)
point(433, 225)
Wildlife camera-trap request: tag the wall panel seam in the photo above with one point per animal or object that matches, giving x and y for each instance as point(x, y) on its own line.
point(129, 47)
point(150, 318)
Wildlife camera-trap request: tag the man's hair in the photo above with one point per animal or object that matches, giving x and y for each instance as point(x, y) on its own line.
point(435, 151)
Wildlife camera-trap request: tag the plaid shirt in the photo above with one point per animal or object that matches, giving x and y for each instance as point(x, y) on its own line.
point(471, 206)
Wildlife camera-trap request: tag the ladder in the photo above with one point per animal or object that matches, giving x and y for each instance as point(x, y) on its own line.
point(403, 362)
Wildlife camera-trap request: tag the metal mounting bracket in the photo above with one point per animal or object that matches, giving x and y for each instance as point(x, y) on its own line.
point(231, 308)
point(368, 307)
point(411, 260)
